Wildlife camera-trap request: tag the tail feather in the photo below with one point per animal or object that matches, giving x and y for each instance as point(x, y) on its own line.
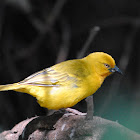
point(9, 87)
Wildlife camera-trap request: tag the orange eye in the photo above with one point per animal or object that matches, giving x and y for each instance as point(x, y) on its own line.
point(107, 66)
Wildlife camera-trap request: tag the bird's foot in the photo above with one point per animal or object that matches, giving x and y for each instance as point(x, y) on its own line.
point(75, 112)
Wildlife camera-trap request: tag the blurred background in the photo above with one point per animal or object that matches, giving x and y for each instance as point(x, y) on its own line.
point(37, 34)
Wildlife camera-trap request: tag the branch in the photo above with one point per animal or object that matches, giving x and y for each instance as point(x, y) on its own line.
point(65, 45)
point(118, 21)
point(91, 37)
point(24, 53)
point(67, 127)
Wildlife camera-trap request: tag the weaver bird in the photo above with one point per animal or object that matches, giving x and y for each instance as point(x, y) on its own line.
point(67, 83)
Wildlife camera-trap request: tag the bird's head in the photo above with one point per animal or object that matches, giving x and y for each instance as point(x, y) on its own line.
point(103, 63)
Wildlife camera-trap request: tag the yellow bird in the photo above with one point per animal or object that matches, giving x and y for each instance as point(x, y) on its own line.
point(67, 83)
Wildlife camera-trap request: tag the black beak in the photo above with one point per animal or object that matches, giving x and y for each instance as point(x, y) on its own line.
point(115, 69)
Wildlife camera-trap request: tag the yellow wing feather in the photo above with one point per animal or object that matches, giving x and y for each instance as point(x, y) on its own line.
point(47, 77)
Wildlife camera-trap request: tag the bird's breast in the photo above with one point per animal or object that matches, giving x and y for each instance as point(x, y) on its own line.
point(70, 94)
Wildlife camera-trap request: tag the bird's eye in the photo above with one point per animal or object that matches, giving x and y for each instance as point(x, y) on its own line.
point(107, 66)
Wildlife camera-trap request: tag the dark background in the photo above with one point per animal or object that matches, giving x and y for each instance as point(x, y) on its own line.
point(35, 34)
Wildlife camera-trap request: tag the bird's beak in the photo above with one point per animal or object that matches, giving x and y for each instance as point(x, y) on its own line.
point(115, 69)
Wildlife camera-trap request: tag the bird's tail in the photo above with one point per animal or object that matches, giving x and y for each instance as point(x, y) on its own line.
point(9, 87)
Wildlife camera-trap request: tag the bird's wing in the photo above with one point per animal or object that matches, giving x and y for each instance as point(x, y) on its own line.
point(48, 77)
